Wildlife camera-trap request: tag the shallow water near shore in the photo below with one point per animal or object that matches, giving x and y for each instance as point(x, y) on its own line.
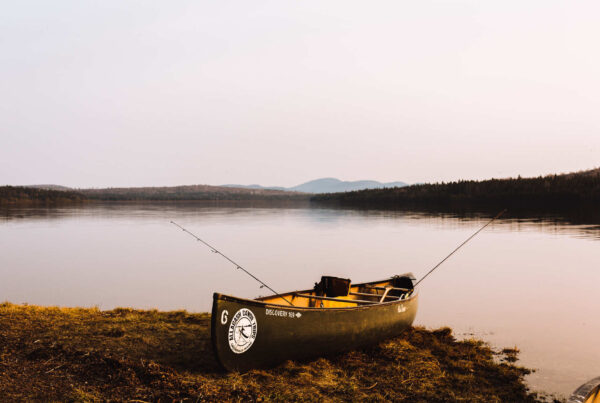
point(526, 283)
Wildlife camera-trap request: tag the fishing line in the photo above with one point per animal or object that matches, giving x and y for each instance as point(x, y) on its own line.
point(214, 250)
point(460, 246)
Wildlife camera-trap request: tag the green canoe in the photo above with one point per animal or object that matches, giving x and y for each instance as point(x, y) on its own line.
point(333, 317)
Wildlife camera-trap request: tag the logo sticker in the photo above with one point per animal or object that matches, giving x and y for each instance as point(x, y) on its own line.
point(242, 331)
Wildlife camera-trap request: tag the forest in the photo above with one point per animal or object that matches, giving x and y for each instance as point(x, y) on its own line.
point(189, 193)
point(33, 195)
point(36, 196)
point(580, 190)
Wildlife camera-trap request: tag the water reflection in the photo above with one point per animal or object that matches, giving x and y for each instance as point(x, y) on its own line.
point(581, 223)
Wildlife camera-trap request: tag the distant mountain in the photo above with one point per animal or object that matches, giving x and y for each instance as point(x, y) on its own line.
point(327, 185)
point(333, 185)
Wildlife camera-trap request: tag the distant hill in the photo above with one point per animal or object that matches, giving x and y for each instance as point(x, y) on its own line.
point(191, 192)
point(328, 185)
point(333, 185)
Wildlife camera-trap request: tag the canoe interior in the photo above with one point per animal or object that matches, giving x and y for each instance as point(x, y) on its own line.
point(594, 396)
point(363, 294)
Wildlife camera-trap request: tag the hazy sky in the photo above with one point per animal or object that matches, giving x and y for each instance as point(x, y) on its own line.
point(124, 93)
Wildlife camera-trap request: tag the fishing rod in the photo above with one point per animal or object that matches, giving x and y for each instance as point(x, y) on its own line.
point(214, 250)
point(460, 246)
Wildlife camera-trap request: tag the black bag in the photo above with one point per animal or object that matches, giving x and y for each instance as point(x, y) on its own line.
point(333, 287)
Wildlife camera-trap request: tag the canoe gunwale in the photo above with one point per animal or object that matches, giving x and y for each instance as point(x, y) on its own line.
point(258, 303)
point(585, 391)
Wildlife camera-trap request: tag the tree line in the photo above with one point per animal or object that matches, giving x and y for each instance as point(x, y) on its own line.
point(187, 196)
point(189, 193)
point(31, 195)
point(552, 192)
point(22, 195)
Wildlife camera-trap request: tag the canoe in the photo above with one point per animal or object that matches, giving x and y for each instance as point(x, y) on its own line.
point(589, 392)
point(333, 317)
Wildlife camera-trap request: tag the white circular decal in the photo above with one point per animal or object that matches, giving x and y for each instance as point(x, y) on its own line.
point(242, 331)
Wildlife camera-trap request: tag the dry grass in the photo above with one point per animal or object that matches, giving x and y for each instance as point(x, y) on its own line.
point(60, 354)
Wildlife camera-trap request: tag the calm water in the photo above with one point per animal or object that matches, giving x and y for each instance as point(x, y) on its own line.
point(528, 284)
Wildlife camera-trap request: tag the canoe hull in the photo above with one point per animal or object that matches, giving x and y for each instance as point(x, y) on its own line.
point(248, 334)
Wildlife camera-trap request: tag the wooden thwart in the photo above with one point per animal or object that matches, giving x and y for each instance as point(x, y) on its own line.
point(365, 294)
point(357, 301)
point(390, 288)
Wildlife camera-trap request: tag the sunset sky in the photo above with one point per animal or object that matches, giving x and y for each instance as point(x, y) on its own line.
point(139, 93)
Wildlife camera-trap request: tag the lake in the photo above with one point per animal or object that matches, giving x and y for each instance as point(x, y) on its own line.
point(526, 283)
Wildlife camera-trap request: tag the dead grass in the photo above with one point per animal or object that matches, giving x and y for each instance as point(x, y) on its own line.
point(85, 355)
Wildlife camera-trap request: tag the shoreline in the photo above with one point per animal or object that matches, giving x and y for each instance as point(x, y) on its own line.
point(86, 354)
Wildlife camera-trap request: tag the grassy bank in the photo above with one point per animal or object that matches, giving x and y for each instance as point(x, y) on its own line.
point(129, 355)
